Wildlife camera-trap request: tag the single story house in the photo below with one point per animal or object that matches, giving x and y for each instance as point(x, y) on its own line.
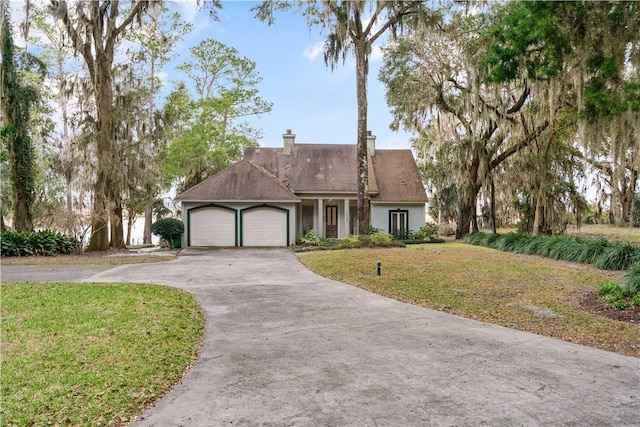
point(274, 193)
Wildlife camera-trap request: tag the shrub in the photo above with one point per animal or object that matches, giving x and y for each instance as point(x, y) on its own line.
point(428, 231)
point(45, 242)
point(167, 228)
point(350, 242)
point(311, 238)
point(381, 239)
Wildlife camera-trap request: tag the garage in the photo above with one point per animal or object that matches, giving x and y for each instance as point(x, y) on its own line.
point(264, 226)
point(212, 226)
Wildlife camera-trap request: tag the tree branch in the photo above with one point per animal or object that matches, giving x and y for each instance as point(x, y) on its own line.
point(528, 138)
point(523, 97)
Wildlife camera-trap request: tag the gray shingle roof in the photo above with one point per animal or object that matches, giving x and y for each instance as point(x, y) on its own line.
point(398, 177)
point(316, 168)
point(267, 174)
point(241, 181)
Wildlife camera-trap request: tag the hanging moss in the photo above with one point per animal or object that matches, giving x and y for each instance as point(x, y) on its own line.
point(18, 99)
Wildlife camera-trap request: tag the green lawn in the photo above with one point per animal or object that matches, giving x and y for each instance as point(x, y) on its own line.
point(524, 292)
point(92, 354)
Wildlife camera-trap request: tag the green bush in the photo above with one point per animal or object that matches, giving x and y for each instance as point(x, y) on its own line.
point(350, 242)
point(429, 231)
point(381, 239)
point(311, 238)
point(45, 242)
point(168, 228)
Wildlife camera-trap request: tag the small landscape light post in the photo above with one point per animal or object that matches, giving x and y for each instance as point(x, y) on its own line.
point(379, 263)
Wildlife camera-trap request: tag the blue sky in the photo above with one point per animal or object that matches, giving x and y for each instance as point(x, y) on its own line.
point(318, 104)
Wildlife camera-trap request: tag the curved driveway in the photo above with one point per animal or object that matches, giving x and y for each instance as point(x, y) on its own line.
point(285, 347)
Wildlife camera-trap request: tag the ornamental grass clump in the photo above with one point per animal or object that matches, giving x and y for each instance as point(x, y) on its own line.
point(632, 278)
point(618, 257)
point(601, 253)
point(512, 242)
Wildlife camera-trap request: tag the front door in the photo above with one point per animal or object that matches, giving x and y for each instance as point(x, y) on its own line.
point(331, 231)
point(398, 224)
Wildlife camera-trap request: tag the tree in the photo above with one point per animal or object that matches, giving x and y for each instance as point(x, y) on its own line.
point(478, 125)
point(206, 131)
point(95, 30)
point(18, 99)
point(597, 46)
point(353, 26)
point(67, 160)
point(156, 37)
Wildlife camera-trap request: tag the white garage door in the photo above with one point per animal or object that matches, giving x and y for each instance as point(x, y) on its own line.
point(264, 227)
point(212, 227)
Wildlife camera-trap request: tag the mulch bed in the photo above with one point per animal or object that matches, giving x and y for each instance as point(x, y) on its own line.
point(593, 303)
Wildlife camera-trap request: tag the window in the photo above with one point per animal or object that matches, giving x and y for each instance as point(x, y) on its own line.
point(399, 223)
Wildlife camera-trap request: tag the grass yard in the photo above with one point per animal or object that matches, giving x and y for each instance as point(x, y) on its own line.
point(524, 292)
point(607, 231)
point(92, 354)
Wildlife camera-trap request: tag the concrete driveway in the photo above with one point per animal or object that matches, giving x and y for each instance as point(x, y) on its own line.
point(285, 347)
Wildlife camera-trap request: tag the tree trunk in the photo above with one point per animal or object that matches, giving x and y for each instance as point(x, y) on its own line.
point(493, 207)
point(474, 220)
point(103, 187)
point(362, 65)
point(69, 221)
point(465, 211)
point(131, 218)
point(22, 217)
point(99, 240)
point(627, 199)
point(117, 226)
point(148, 219)
point(538, 219)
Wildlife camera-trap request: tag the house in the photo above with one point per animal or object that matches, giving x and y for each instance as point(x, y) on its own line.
point(274, 193)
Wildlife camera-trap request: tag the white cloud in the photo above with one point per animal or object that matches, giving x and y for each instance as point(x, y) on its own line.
point(376, 52)
point(312, 52)
point(188, 10)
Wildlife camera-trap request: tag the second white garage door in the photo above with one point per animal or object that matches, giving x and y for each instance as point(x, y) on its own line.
point(264, 226)
point(212, 226)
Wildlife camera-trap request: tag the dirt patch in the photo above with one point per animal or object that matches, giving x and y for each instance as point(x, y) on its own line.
point(592, 302)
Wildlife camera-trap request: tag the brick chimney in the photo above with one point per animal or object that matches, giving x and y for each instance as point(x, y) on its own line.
point(288, 139)
point(371, 144)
